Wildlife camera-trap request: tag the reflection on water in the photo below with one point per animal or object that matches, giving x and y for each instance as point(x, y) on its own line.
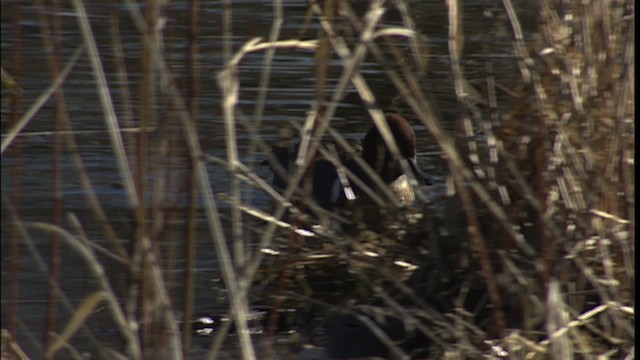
point(291, 91)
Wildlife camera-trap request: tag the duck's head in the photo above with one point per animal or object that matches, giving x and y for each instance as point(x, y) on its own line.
point(377, 154)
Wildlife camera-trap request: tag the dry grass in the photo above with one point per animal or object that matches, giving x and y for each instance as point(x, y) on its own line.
point(525, 250)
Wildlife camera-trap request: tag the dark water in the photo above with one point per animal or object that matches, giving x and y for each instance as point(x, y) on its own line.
point(290, 94)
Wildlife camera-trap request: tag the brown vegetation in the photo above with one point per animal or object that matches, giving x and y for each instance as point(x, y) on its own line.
point(524, 249)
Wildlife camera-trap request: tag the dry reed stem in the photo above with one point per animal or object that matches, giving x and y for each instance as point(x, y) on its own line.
point(51, 40)
point(475, 234)
point(17, 128)
point(107, 105)
point(190, 228)
point(232, 280)
point(41, 266)
point(16, 169)
point(125, 326)
point(125, 172)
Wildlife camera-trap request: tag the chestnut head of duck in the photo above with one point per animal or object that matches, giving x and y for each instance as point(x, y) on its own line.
point(378, 155)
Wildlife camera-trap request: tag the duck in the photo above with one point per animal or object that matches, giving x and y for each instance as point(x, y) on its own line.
point(330, 189)
point(356, 334)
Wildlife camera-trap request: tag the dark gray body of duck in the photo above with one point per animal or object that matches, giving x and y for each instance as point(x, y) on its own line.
point(328, 190)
